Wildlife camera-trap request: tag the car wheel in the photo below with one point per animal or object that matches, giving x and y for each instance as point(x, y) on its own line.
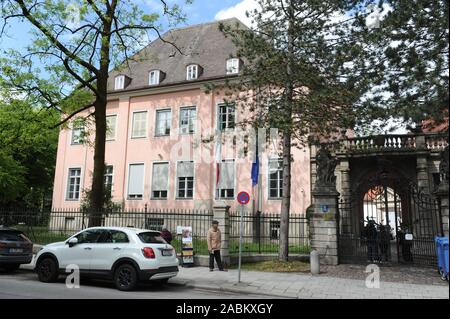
point(47, 270)
point(10, 267)
point(125, 277)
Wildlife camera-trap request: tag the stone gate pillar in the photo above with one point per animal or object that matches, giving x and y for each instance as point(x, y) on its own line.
point(323, 226)
point(442, 194)
point(323, 222)
point(423, 178)
point(442, 190)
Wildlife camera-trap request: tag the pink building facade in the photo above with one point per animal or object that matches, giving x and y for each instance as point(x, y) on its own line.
point(163, 138)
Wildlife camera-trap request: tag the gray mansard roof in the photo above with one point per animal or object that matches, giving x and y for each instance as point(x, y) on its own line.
point(202, 44)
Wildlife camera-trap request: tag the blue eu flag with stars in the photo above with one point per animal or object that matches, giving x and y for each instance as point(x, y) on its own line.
point(255, 171)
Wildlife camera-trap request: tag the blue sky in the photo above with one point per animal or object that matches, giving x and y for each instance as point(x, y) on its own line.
point(199, 11)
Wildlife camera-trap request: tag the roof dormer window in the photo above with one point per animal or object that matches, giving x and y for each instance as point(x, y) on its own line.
point(192, 72)
point(154, 77)
point(233, 66)
point(119, 82)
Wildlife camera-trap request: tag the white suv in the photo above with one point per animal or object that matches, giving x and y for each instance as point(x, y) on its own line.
point(126, 255)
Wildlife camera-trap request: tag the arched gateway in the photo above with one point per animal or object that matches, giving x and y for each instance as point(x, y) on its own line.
point(388, 209)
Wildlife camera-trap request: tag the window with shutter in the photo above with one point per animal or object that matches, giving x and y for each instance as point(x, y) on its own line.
point(225, 187)
point(136, 181)
point(160, 180)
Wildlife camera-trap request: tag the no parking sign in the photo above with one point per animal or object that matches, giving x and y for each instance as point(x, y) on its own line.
point(243, 198)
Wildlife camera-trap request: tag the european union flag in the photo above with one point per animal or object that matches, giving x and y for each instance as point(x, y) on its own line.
point(255, 171)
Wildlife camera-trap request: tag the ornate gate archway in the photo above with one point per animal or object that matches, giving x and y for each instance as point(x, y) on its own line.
point(386, 219)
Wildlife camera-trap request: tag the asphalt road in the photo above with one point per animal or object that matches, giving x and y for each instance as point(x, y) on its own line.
point(25, 285)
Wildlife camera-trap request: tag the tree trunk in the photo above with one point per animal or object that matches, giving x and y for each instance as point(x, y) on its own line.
point(97, 188)
point(98, 185)
point(283, 252)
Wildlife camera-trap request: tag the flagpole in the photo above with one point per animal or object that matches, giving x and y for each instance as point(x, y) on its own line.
point(218, 156)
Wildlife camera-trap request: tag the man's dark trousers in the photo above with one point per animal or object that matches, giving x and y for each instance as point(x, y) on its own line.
point(215, 254)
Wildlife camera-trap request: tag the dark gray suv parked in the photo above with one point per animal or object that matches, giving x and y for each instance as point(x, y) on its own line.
point(15, 249)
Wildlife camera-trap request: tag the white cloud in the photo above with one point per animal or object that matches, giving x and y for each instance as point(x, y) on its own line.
point(373, 19)
point(239, 11)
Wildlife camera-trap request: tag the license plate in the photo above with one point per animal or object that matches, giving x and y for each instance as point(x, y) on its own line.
point(16, 250)
point(167, 252)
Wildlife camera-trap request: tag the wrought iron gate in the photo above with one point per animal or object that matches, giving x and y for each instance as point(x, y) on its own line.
point(388, 221)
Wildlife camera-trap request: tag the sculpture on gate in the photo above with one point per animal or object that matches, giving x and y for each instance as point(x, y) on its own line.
point(326, 164)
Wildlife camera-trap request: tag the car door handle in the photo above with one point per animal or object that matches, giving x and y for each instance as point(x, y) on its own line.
point(117, 248)
point(87, 248)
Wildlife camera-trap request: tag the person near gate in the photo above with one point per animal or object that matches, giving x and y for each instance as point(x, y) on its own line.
point(214, 240)
point(166, 235)
point(372, 241)
point(384, 242)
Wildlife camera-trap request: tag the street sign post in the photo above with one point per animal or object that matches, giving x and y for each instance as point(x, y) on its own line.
point(243, 198)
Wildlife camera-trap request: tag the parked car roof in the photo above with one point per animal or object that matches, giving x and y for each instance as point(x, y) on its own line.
point(132, 229)
point(4, 228)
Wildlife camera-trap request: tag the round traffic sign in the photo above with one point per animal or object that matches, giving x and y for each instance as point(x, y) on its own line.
point(243, 198)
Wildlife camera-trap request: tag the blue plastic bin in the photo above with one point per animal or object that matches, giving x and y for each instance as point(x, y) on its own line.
point(442, 256)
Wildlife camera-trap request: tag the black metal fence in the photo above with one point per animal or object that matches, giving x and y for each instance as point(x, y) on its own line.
point(58, 225)
point(261, 233)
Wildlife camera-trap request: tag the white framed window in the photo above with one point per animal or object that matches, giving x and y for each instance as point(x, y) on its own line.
point(163, 122)
point(139, 125)
point(225, 186)
point(275, 178)
point(233, 66)
point(77, 135)
point(136, 181)
point(73, 184)
point(188, 119)
point(111, 123)
point(185, 180)
point(160, 180)
point(153, 77)
point(119, 82)
point(192, 72)
point(108, 178)
point(226, 116)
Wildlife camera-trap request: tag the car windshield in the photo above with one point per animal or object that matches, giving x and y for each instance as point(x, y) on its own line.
point(11, 235)
point(151, 238)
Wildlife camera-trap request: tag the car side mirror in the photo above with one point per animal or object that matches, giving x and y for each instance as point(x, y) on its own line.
point(72, 241)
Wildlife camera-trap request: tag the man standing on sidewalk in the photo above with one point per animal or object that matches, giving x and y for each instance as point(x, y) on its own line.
point(214, 239)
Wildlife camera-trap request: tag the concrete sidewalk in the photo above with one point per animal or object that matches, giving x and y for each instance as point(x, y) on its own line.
point(303, 286)
point(299, 285)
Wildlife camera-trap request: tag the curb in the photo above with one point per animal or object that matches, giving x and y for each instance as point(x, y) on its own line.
point(233, 290)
